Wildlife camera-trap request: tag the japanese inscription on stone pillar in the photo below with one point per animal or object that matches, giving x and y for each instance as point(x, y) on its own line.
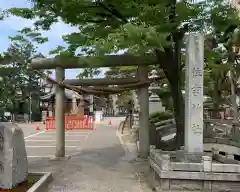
point(194, 93)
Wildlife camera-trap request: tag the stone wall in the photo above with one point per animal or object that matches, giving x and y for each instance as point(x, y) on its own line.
point(172, 174)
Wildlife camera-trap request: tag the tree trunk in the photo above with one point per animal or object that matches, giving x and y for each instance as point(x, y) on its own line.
point(178, 104)
point(233, 96)
point(171, 67)
point(231, 60)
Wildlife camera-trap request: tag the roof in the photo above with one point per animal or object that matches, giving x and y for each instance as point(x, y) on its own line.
point(68, 94)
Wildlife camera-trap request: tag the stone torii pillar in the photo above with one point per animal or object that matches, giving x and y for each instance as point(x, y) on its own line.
point(144, 114)
point(59, 115)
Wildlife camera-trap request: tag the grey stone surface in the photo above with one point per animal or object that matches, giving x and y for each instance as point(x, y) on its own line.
point(100, 166)
point(181, 176)
point(155, 104)
point(194, 93)
point(13, 159)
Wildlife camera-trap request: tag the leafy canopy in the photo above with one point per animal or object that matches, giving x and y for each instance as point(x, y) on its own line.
point(16, 73)
point(137, 26)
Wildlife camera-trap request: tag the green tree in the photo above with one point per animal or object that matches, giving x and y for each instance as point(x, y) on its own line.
point(120, 72)
point(3, 14)
point(88, 73)
point(138, 27)
point(17, 74)
point(222, 69)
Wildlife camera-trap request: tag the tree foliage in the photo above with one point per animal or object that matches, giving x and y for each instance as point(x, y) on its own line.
point(18, 79)
point(89, 73)
point(140, 27)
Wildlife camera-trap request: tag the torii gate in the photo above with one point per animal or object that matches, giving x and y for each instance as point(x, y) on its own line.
point(60, 63)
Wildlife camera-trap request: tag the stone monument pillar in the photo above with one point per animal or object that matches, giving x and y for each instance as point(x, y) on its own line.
point(194, 94)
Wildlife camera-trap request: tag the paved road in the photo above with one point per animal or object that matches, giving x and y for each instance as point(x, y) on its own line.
point(100, 164)
point(30, 128)
point(42, 143)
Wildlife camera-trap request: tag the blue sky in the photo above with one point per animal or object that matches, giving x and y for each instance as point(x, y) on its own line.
point(10, 25)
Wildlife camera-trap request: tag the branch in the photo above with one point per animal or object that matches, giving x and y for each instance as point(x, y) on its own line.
point(114, 12)
point(95, 21)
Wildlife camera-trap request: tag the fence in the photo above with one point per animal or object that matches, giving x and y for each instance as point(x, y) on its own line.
point(71, 122)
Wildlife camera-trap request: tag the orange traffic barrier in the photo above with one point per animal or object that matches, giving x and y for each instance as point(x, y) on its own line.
point(71, 123)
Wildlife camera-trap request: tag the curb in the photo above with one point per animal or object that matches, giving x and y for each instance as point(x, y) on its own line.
point(131, 150)
point(142, 181)
point(42, 183)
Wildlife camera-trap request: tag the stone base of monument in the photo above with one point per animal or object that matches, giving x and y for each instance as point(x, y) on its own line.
point(14, 174)
point(171, 171)
point(36, 182)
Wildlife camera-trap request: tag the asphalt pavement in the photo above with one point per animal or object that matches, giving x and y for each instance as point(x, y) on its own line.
point(42, 143)
point(98, 160)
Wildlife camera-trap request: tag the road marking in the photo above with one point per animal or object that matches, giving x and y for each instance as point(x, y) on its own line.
point(47, 136)
point(67, 135)
point(34, 134)
point(50, 146)
point(70, 132)
point(48, 140)
point(46, 156)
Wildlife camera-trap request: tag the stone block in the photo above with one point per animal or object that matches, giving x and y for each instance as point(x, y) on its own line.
point(225, 186)
point(185, 185)
point(165, 184)
point(165, 162)
point(181, 166)
point(209, 140)
point(225, 168)
point(13, 159)
point(222, 141)
point(207, 185)
point(192, 157)
point(234, 143)
point(207, 163)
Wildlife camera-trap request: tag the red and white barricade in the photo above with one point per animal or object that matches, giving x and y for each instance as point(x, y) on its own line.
point(71, 123)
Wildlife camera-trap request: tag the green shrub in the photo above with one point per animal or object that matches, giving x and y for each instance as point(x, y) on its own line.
point(160, 116)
